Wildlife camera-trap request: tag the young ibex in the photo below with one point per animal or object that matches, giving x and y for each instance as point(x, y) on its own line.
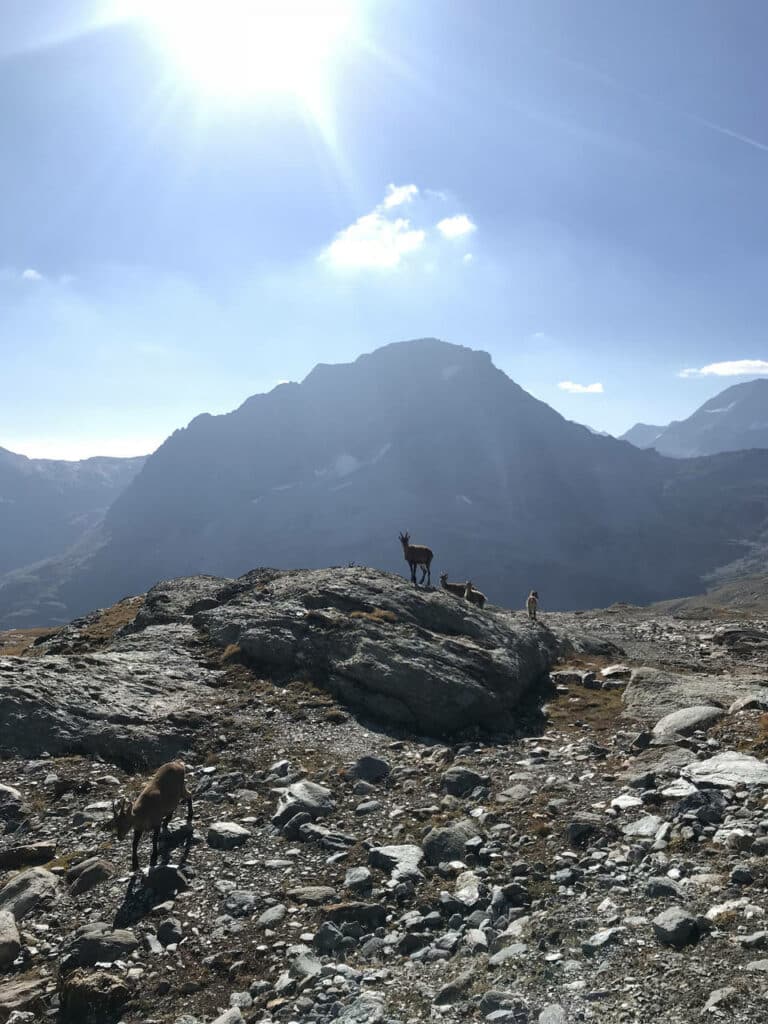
point(457, 589)
point(532, 604)
point(153, 808)
point(473, 596)
point(417, 554)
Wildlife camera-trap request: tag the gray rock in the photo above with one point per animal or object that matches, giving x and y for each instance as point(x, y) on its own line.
point(553, 1013)
point(26, 890)
point(644, 828)
point(688, 720)
point(453, 990)
point(272, 916)
point(721, 999)
point(752, 702)
point(366, 1009)
point(729, 769)
point(169, 931)
point(448, 842)
point(676, 927)
point(231, 1016)
point(10, 942)
point(313, 895)
point(513, 952)
point(401, 861)
point(652, 692)
point(468, 669)
point(358, 880)
point(303, 797)
point(370, 769)
point(460, 781)
point(89, 873)
point(663, 887)
point(65, 704)
point(467, 889)
point(97, 943)
point(226, 835)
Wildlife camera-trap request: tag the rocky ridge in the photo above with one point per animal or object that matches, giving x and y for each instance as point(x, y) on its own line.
point(594, 863)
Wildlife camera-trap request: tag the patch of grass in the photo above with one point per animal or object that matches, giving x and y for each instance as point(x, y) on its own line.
point(377, 615)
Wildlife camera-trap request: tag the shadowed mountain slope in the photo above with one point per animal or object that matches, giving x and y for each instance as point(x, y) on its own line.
point(428, 437)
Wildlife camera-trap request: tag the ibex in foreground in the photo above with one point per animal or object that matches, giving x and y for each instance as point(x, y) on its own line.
point(153, 808)
point(417, 554)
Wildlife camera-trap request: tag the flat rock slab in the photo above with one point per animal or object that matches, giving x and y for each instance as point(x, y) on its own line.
point(729, 769)
point(688, 720)
point(132, 703)
point(652, 692)
point(430, 663)
point(401, 861)
point(226, 835)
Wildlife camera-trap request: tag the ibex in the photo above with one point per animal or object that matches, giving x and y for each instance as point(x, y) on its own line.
point(417, 554)
point(532, 604)
point(473, 596)
point(457, 589)
point(153, 808)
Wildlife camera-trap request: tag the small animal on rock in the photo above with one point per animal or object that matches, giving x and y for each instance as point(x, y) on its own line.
point(457, 589)
point(417, 554)
point(532, 604)
point(472, 595)
point(153, 808)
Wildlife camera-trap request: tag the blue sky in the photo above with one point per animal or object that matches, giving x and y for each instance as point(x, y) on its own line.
point(578, 188)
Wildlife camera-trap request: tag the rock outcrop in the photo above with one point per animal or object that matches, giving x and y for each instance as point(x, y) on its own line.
point(418, 659)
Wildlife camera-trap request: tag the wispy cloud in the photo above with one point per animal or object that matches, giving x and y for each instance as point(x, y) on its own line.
point(730, 368)
point(31, 275)
point(399, 194)
point(455, 227)
point(580, 389)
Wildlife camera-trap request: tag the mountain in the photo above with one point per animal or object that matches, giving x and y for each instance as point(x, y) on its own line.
point(734, 420)
point(48, 505)
point(642, 435)
point(421, 436)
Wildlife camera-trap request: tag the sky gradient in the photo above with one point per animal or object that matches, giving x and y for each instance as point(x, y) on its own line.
point(578, 189)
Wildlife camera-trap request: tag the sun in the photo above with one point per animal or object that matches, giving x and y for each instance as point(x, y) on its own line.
point(239, 48)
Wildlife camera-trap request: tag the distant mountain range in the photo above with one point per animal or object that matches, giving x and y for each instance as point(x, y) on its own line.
point(46, 505)
point(421, 436)
point(734, 420)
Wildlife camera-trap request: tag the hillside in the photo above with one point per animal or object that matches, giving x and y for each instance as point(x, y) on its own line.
point(589, 846)
point(47, 505)
point(423, 436)
point(733, 420)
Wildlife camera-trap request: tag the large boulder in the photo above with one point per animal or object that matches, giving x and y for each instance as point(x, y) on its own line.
point(730, 769)
point(131, 704)
point(416, 658)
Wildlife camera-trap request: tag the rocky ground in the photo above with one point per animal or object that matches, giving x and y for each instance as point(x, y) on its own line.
point(604, 859)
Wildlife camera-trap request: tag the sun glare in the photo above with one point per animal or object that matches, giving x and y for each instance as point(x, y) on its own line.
point(238, 48)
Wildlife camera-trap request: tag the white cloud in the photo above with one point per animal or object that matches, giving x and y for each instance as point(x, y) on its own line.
point(580, 389)
point(399, 194)
point(31, 275)
point(468, 257)
point(732, 368)
point(375, 242)
point(455, 227)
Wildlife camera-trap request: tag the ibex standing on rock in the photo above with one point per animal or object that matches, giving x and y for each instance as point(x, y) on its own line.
point(417, 554)
point(153, 808)
point(532, 604)
point(473, 596)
